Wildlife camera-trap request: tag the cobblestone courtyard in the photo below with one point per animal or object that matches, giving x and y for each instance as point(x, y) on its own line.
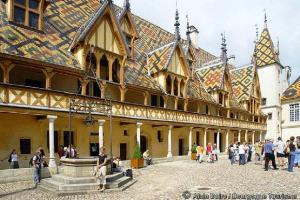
point(170, 180)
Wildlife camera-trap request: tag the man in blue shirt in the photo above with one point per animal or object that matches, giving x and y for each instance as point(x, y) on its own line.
point(269, 155)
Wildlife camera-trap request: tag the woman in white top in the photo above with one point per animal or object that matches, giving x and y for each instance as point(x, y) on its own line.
point(14, 164)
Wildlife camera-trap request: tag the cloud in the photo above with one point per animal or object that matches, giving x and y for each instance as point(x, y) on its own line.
point(237, 18)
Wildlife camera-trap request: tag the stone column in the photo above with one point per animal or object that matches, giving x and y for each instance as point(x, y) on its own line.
point(190, 141)
point(260, 136)
point(239, 138)
point(246, 136)
point(227, 139)
point(205, 139)
point(101, 134)
point(253, 137)
point(218, 139)
point(169, 155)
point(138, 133)
point(51, 119)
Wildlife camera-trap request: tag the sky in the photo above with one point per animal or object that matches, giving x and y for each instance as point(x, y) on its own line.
point(237, 18)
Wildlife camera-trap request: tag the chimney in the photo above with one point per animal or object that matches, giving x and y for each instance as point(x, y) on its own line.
point(194, 36)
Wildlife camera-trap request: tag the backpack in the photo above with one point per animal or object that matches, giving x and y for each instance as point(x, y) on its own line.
point(31, 161)
point(9, 159)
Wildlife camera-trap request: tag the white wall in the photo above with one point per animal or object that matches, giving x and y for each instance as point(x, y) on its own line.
point(289, 128)
point(270, 84)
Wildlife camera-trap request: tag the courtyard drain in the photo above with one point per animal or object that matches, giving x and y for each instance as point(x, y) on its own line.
point(203, 188)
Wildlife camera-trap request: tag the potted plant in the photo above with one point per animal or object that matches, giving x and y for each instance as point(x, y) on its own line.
point(137, 160)
point(194, 152)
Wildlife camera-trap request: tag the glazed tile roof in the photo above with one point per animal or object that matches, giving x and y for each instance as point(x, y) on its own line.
point(264, 50)
point(292, 92)
point(197, 91)
point(159, 59)
point(64, 24)
point(242, 82)
point(212, 76)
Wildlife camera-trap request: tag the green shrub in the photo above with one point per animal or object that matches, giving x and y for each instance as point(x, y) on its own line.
point(194, 148)
point(137, 152)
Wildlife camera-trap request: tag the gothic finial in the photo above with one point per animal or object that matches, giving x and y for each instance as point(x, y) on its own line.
point(277, 50)
point(188, 31)
point(177, 24)
point(265, 18)
point(223, 48)
point(256, 27)
point(127, 5)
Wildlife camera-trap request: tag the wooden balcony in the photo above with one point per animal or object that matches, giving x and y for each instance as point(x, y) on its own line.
point(34, 98)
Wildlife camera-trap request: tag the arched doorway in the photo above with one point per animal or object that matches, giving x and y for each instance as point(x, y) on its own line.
point(143, 144)
point(168, 84)
point(176, 87)
point(116, 71)
point(104, 68)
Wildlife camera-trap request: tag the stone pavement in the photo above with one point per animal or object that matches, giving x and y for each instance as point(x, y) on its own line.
point(170, 180)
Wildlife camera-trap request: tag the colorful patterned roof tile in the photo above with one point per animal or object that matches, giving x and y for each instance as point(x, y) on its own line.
point(65, 20)
point(212, 76)
point(242, 82)
point(264, 50)
point(134, 76)
point(197, 91)
point(159, 59)
point(292, 92)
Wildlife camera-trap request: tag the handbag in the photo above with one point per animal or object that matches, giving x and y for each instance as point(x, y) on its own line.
point(9, 159)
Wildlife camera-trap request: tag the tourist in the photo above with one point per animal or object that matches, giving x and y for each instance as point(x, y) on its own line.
point(258, 152)
point(101, 169)
point(209, 150)
point(269, 155)
point(147, 158)
point(242, 151)
point(231, 154)
point(297, 156)
point(215, 152)
point(71, 152)
point(291, 151)
point(279, 147)
point(13, 158)
point(200, 156)
point(250, 150)
point(60, 151)
point(37, 164)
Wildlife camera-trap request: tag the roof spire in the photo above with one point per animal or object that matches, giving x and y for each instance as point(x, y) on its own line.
point(127, 5)
point(256, 27)
point(188, 30)
point(265, 18)
point(177, 24)
point(223, 48)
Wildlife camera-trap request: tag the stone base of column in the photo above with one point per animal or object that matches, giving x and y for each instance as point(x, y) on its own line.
point(52, 162)
point(169, 155)
point(189, 153)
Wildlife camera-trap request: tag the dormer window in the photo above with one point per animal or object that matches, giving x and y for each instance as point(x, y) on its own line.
point(27, 13)
point(128, 41)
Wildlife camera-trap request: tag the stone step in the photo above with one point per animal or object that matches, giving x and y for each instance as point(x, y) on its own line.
point(70, 180)
point(118, 183)
point(113, 177)
point(76, 187)
point(50, 183)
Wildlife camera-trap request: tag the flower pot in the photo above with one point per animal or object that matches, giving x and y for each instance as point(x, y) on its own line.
point(193, 156)
point(137, 163)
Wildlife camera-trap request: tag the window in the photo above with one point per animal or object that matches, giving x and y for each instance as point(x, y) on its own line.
point(269, 116)
point(25, 146)
point(153, 100)
point(198, 138)
point(27, 13)
point(125, 133)
point(220, 98)
point(33, 83)
point(263, 101)
point(231, 115)
point(68, 138)
point(159, 138)
point(294, 112)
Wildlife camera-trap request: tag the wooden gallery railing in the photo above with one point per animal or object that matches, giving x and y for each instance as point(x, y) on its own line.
point(20, 96)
